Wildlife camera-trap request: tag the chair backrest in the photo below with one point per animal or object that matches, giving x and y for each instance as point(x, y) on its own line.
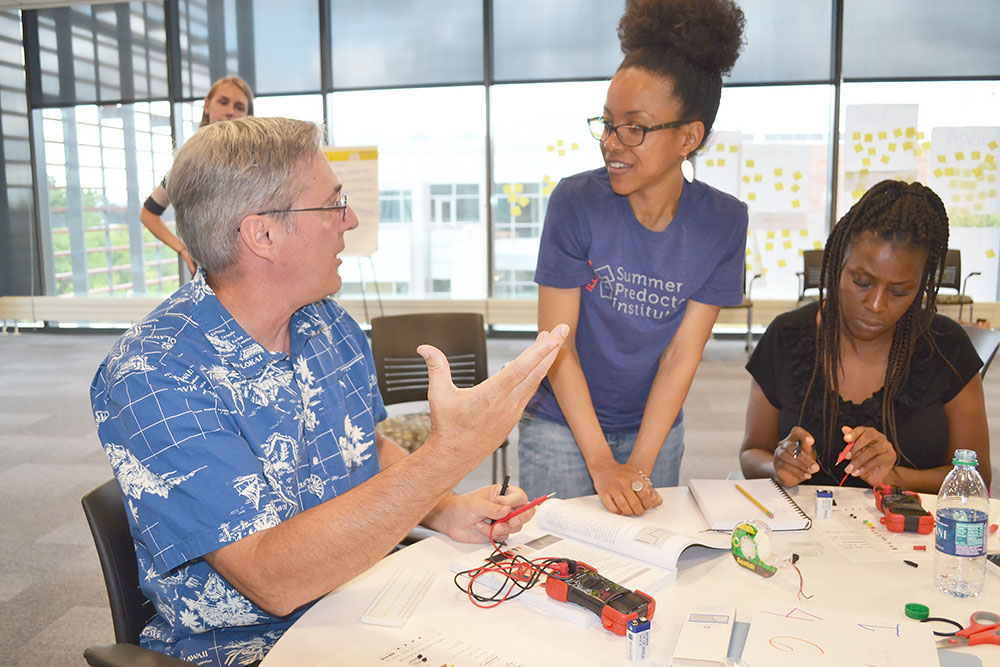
point(130, 610)
point(951, 277)
point(812, 262)
point(986, 342)
point(402, 373)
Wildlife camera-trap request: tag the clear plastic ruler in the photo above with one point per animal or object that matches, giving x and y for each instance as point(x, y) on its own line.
point(399, 598)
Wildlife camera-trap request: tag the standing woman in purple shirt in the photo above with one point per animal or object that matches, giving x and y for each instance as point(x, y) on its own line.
point(228, 98)
point(638, 259)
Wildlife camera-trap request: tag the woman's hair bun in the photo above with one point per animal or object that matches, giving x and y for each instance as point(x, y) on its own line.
point(706, 33)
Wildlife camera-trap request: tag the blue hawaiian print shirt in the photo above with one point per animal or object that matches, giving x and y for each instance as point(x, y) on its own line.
point(213, 438)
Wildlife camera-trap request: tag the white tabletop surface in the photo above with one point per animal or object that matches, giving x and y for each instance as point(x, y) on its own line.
point(516, 634)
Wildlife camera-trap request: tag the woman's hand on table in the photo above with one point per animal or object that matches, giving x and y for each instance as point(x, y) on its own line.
point(871, 456)
point(795, 457)
point(613, 483)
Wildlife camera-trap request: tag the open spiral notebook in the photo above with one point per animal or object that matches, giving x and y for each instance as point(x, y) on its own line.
point(724, 506)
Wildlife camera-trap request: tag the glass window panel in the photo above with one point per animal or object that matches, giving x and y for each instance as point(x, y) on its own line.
point(945, 135)
point(529, 159)
point(380, 43)
point(286, 46)
point(914, 38)
point(556, 39)
point(770, 148)
point(418, 151)
point(786, 40)
point(300, 107)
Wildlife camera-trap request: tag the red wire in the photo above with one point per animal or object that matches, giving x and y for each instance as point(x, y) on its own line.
point(801, 583)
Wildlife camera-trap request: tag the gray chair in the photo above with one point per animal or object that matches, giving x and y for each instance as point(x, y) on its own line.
point(402, 373)
point(951, 278)
point(130, 610)
point(812, 263)
point(986, 342)
point(748, 304)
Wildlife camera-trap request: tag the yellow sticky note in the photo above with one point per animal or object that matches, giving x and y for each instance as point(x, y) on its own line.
point(862, 172)
point(778, 172)
point(884, 159)
point(979, 173)
point(938, 172)
point(897, 133)
point(770, 234)
point(515, 210)
point(795, 187)
point(786, 233)
point(818, 245)
point(856, 136)
point(749, 252)
point(752, 196)
point(757, 178)
point(722, 162)
point(871, 150)
point(857, 193)
point(574, 146)
point(858, 148)
point(926, 145)
point(749, 266)
point(787, 245)
point(795, 203)
point(949, 171)
point(779, 186)
point(942, 159)
point(782, 263)
point(956, 198)
point(990, 159)
point(768, 246)
point(911, 131)
point(506, 188)
point(975, 155)
point(802, 232)
point(750, 163)
point(710, 163)
point(892, 146)
point(907, 145)
point(518, 187)
point(550, 148)
point(883, 135)
point(920, 135)
point(991, 193)
point(562, 152)
point(559, 142)
point(720, 147)
point(866, 161)
point(746, 179)
point(993, 145)
point(868, 136)
point(990, 253)
point(733, 148)
point(959, 155)
point(797, 175)
point(523, 202)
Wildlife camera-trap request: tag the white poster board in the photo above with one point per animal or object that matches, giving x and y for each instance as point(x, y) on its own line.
point(357, 169)
point(963, 169)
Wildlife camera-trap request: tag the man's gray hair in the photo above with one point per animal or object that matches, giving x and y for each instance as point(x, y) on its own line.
point(232, 169)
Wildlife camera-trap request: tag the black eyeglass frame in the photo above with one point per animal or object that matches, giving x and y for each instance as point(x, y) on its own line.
point(338, 207)
point(609, 128)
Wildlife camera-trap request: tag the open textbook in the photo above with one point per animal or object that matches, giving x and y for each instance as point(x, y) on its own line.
point(631, 551)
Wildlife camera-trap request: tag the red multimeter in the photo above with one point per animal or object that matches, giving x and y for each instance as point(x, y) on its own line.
point(615, 604)
point(902, 511)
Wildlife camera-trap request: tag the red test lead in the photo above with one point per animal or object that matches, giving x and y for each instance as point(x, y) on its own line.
point(524, 508)
point(843, 453)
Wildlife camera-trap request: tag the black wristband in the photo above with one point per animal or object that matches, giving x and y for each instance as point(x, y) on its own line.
point(153, 206)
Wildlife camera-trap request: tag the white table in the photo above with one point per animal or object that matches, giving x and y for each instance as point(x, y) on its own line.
point(330, 633)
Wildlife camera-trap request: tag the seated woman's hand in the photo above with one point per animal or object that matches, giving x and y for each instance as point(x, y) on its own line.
point(613, 483)
point(872, 456)
point(793, 469)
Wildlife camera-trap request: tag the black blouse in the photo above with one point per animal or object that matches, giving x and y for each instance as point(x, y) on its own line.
point(782, 364)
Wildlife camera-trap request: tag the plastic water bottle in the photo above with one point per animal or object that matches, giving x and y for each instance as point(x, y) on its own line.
point(960, 529)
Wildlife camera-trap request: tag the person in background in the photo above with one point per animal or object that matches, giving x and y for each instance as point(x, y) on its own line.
point(638, 260)
point(228, 98)
point(870, 366)
point(239, 416)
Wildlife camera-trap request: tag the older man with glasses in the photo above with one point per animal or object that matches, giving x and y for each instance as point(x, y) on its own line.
point(239, 416)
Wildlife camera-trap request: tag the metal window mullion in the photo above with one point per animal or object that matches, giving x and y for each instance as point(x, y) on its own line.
point(74, 203)
point(135, 226)
point(837, 76)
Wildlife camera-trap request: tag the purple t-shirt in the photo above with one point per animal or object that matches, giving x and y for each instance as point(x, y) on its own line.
point(635, 283)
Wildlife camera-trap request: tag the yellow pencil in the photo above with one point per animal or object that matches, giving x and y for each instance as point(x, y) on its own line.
point(754, 501)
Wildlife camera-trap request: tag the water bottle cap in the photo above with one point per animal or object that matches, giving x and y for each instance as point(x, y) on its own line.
point(966, 457)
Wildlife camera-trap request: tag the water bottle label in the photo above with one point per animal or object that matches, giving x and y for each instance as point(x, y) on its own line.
point(959, 532)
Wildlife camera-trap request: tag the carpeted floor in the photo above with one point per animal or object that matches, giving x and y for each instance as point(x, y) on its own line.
point(52, 597)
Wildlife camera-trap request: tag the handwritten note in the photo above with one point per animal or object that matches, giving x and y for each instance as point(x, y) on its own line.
point(357, 169)
point(783, 635)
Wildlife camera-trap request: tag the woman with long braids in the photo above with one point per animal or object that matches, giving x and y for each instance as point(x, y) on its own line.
point(637, 258)
point(870, 365)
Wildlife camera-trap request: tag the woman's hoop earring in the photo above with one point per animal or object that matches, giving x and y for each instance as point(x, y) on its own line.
point(687, 170)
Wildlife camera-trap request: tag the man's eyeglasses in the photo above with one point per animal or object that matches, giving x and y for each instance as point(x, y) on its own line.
point(629, 134)
point(339, 206)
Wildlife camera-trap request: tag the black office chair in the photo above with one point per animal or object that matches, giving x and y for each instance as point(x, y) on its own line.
point(812, 262)
point(748, 304)
point(986, 342)
point(951, 278)
point(130, 610)
point(402, 373)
